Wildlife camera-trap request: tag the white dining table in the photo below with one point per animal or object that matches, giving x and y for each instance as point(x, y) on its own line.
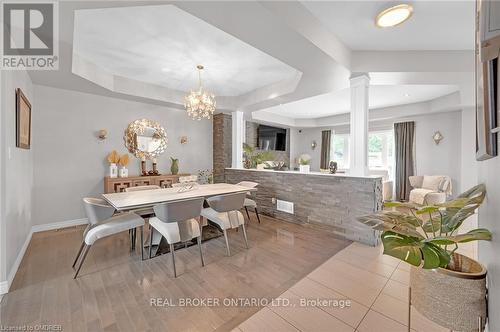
point(135, 200)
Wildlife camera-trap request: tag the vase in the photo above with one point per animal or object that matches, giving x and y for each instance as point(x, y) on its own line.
point(174, 168)
point(113, 170)
point(455, 297)
point(304, 168)
point(123, 173)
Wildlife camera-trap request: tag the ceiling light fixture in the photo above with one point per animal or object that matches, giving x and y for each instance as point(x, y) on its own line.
point(394, 16)
point(200, 104)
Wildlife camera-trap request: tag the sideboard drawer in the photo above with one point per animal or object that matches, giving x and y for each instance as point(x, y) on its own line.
point(116, 185)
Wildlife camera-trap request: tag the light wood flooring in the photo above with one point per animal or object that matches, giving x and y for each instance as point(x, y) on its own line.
point(115, 288)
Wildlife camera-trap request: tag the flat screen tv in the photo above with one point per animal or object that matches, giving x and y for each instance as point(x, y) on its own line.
point(271, 138)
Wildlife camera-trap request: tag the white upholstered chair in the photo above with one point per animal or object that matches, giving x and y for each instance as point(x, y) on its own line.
point(175, 221)
point(102, 223)
point(224, 211)
point(250, 203)
point(144, 213)
point(430, 189)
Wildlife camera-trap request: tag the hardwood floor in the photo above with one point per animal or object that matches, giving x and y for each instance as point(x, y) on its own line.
point(115, 288)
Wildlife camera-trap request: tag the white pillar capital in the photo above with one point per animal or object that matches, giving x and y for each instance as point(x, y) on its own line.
point(358, 79)
point(238, 138)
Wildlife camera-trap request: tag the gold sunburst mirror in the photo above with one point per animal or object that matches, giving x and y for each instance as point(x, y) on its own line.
point(146, 139)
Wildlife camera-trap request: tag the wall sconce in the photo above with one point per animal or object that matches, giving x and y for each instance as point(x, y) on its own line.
point(102, 134)
point(437, 137)
point(314, 145)
point(184, 140)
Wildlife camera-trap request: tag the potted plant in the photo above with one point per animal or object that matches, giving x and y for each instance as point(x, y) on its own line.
point(446, 287)
point(113, 159)
point(123, 173)
point(255, 158)
point(305, 163)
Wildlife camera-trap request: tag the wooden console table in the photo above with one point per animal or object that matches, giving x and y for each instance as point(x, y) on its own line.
point(116, 185)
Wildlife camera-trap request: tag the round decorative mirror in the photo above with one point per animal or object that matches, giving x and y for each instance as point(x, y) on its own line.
point(146, 139)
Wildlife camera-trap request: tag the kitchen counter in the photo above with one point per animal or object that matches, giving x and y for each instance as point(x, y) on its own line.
point(330, 201)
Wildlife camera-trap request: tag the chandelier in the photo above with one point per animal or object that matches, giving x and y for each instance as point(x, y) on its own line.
point(200, 104)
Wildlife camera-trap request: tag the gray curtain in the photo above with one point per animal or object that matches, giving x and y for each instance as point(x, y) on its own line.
point(404, 137)
point(326, 136)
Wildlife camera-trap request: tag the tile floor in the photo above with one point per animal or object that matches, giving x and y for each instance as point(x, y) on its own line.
point(375, 284)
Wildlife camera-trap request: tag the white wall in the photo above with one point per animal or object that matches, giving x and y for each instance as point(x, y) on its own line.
point(16, 177)
point(300, 143)
point(70, 161)
point(489, 217)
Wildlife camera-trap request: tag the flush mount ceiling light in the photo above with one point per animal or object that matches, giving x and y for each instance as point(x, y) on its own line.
point(394, 16)
point(200, 104)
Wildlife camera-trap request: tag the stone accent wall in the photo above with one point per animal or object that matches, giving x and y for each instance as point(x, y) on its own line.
point(329, 202)
point(251, 139)
point(222, 145)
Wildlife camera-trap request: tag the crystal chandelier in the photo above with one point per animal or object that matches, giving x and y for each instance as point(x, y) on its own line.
point(200, 104)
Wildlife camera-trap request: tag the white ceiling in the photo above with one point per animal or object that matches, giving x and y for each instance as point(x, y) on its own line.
point(163, 44)
point(435, 25)
point(379, 96)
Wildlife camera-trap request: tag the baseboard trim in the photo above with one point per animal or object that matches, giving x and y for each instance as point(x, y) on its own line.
point(5, 285)
point(58, 225)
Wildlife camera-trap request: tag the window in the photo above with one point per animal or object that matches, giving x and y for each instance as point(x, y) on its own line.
point(339, 150)
point(381, 150)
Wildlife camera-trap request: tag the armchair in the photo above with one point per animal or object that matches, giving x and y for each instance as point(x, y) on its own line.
point(429, 189)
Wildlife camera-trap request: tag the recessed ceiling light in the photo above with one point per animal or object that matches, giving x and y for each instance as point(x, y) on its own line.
point(407, 94)
point(394, 16)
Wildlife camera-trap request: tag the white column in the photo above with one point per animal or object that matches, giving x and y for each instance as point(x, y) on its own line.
point(358, 155)
point(238, 134)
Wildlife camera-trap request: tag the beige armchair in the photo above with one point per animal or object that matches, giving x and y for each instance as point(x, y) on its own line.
point(430, 189)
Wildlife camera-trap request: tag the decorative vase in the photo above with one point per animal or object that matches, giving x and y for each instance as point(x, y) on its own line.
point(454, 298)
point(113, 170)
point(174, 168)
point(123, 172)
point(304, 168)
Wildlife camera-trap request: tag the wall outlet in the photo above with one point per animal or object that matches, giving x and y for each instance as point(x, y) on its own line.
point(284, 206)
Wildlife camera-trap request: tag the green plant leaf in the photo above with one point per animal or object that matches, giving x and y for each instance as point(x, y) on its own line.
point(434, 256)
point(413, 250)
point(392, 220)
point(462, 208)
point(428, 209)
point(473, 235)
point(405, 248)
point(432, 226)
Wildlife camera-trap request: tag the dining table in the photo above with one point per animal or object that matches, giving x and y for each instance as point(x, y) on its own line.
point(135, 201)
point(138, 200)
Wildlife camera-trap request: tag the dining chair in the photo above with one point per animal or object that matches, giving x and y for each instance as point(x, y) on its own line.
point(224, 211)
point(102, 223)
point(248, 201)
point(175, 221)
point(144, 213)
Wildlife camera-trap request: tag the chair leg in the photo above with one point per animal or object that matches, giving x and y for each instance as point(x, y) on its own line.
point(142, 243)
point(151, 230)
point(248, 214)
point(201, 252)
point(78, 255)
point(173, 259)
point(257, 213)
point(227, 243)
point(245, 235)
point(85, 252)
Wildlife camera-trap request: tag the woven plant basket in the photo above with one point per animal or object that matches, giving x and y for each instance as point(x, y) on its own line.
point(454, 297)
